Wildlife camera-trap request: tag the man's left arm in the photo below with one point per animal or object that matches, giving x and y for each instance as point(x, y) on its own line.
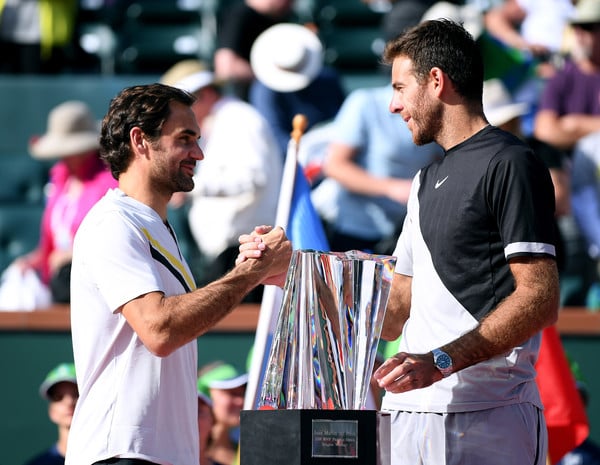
point(531, 307)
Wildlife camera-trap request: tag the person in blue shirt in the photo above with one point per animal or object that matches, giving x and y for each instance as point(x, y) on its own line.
point(368, 166)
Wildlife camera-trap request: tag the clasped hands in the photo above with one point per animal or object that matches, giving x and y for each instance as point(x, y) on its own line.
point(271, 244)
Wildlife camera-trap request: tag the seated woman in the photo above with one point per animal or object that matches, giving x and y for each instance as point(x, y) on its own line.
point(78, 180)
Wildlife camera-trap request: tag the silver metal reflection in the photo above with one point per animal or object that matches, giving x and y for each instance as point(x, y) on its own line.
point(325, 343)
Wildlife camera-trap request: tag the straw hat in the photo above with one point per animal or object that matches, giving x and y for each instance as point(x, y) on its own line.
point(189, 75)
point(72, 130)
point(586, 12)
point(286, 57)
point(498, 105)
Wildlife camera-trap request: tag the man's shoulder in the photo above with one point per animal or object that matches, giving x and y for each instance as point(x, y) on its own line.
point(114, 214)
point(491, 142)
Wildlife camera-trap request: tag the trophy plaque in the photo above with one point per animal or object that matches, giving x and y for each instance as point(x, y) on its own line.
point(314, 392)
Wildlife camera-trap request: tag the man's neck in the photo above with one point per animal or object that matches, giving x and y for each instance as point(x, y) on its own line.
point(141, 193)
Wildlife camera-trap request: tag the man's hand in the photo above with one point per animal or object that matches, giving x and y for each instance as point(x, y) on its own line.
point(404, 372)
point(252, 245)
point(267, 242)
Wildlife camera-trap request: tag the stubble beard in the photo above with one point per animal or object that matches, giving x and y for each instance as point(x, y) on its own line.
point(427, 120)
point(169, 182)
point(183, 183)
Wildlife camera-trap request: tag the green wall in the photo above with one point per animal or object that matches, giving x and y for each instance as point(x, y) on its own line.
point(26, 358)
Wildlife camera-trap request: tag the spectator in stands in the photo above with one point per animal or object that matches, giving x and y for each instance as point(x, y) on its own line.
point(586, 204)
point(540, 32)
point(569, 107)
point(226, 387)
point(237, 32)
point(539, 27)
point(77, 181)
point(36, 36)
point(287, 60)
point(237, 184)
point(206, 421)
point(60, 390)
point(369, 165)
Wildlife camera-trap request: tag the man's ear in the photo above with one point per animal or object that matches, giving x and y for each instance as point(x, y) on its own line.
point(438, 80)
point(138, 143)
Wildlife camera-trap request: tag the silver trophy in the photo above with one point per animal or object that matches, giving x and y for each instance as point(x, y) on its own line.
point(329, 325)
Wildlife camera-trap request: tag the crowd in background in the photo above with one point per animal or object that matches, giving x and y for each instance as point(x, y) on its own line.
point(357, 163)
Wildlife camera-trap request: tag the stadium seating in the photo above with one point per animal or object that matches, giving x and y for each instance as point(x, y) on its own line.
point(351, 34)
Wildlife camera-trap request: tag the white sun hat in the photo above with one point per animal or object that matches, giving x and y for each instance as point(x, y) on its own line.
point(287, 57)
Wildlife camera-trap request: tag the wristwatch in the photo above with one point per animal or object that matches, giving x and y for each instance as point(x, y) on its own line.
point(442, 362)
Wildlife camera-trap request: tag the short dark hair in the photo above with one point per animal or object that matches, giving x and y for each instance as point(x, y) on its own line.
point(444, 44)
point(146, 107)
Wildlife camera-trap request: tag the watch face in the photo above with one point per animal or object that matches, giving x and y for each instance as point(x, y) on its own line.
point(443, 361)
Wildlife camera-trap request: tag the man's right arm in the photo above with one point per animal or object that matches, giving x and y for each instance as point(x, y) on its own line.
point(166, 323)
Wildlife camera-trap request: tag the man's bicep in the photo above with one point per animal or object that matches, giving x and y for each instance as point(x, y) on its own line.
point(536, 272)
point(536, 281)
point(141, 313)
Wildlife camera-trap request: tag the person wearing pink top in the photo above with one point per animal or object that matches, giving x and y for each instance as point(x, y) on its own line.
point(77, 181)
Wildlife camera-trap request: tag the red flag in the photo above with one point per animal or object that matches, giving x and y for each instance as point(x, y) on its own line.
point(564, 411)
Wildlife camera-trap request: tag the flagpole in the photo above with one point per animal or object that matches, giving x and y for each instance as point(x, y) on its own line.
point(272, 295)
point(299, 124)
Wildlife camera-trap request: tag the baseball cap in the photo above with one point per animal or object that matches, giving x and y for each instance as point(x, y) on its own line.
point(60, 373)
point(221, 376)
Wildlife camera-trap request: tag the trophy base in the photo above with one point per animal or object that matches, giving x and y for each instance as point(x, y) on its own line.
point(314, 437)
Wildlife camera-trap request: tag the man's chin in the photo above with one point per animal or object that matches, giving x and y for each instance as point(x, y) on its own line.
point(186, 186)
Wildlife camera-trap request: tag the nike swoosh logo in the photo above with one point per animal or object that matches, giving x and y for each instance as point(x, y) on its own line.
point(439, 183)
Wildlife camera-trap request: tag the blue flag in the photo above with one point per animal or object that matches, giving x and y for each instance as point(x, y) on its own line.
point(305, 228)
